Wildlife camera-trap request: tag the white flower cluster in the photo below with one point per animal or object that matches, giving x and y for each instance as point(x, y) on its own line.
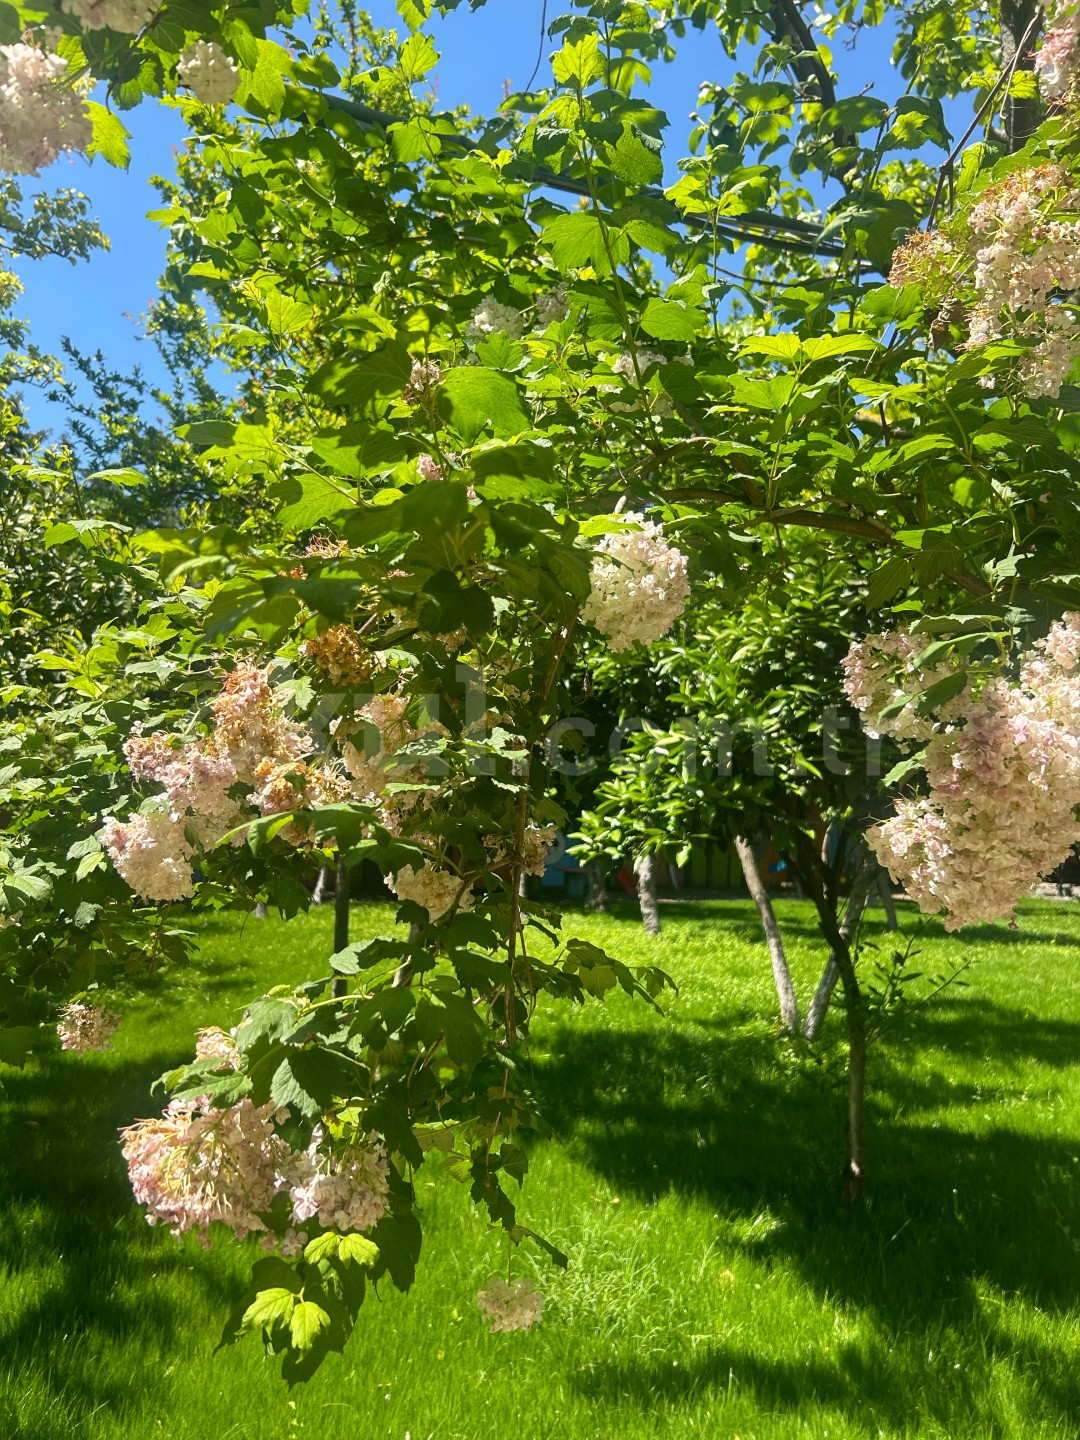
point(83, 1028)
point(126, 17)
point(196, 1165)
point(552, 306)
point(346, 1193)
point(639, 585)
point(381, 775)
point(510, 1306)
point(436, 890)
point(491, 318)
point(428, 468)
point(1020, 245)
point(41, 113)
point(1058, 58)
point(880, 671)
point(1004, 787)
point(253, 745)
point(209, 72)
point(425, 377)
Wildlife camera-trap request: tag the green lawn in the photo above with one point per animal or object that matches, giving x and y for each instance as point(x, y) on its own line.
point(716, 1286)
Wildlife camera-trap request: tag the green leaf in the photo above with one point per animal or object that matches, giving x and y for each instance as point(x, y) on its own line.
point(472, 398)
point(307, 499)
point(414, 12)
point(888, 580)
point(109, 136)
point(308, 1322)
point(364, 384)
point(310, 1080)
point(578, 64)
point(577, 241)
point(668, 320)
point(16, 1043)
point(123, 476)
point(285, 315)
point(636, 158)
point(418, 56)
point(270, 1308)
point(358, 1249)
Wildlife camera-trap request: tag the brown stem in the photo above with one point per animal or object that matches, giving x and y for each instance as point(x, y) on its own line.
point(341, 919)
point(785, 989)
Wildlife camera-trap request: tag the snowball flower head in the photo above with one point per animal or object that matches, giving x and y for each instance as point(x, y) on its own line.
point(491, 318)
point(126, 17)
point(552, 306)
point(209, 73)
point(151, 855)
point(639, 585)
point(84, 1028)
point(510, 1305)
point(346, 1192)
point(436, 890)
point(41, 113)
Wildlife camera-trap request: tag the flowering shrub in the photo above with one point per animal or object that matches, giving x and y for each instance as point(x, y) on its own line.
point(510, 1305)
point(1058, 57)
point(1003, 776)
point(42, 114)
point(209, 72)
point(1017, 251)
point(84, 1028)
point(126, 17)
point(639, 585)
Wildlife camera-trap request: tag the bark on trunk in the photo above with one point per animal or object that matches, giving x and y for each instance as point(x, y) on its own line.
point(261, 912)
point(854, 1180)
point(785, 990)
point(596, 892)
point(323, 885)
point(645, 872)
point(341, 919)
point(819, 1006)
point(1019, 29)
point(855, 1172)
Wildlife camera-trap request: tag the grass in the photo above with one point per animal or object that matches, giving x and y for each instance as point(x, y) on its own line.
point(716, 1289)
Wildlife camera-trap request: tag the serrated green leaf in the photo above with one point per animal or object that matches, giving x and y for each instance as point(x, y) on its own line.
point(308, 1322)
point(110, 138)
point(269, 1308)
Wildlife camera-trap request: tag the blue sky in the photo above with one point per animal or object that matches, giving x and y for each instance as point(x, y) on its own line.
point(97, 303)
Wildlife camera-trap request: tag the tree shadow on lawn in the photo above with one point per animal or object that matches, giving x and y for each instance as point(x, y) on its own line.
point(69, 1225)
point(724, 1115)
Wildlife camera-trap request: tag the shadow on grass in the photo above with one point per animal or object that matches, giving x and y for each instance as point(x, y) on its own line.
point(724, 1115)
point(70, 1229)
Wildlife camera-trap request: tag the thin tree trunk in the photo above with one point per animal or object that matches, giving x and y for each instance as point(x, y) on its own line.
point(854, 1180)
point(645, 871)
point(341, 918)
point(785, 990)
point(323, 884)
point(261, 911)
point(596, 892)
point(884, 887)
point(819, 1006)
point(1019, 28)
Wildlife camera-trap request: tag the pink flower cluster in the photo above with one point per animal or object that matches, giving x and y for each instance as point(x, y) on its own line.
point(197, 1165)
point(436, 890)
point(1058, 58)
point(881, 671)
point(1004, 788)
point(253, 745)
point(510, 1305)
point(345, 1192)
point(84, 1028)
point(639, 585)
point(42, 114)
